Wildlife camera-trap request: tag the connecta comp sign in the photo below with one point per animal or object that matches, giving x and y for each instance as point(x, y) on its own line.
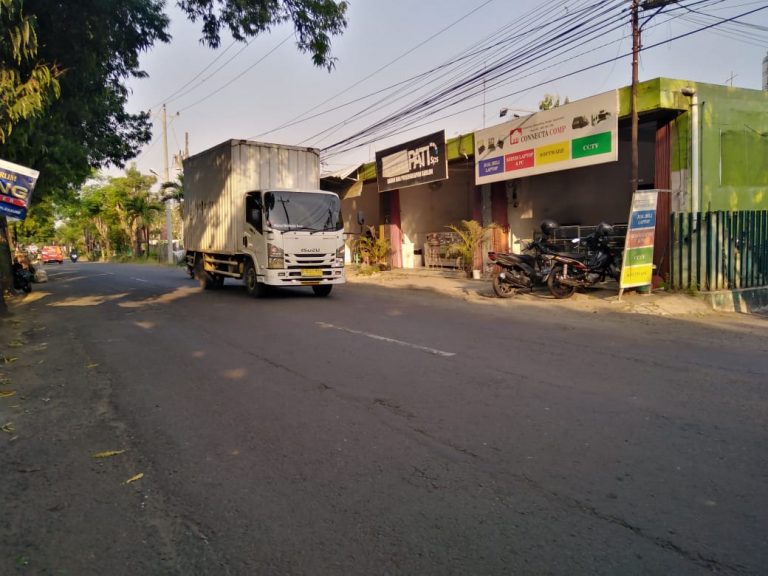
point(416, 162)
point(16, 185)
point(577, 134)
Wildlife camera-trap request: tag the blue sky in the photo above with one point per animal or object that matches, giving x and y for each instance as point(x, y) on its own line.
point(248, 91)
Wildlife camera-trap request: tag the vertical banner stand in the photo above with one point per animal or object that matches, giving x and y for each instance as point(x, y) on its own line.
point(637, 264)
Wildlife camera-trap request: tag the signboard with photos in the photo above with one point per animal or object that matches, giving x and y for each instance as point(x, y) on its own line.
point(581, 133)
point(16, 185)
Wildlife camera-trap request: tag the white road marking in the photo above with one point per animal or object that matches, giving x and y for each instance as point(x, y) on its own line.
point(434, 351)
point(140, 280)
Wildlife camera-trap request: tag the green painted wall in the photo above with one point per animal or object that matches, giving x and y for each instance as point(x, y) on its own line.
point(733, 136)
point(734, 148)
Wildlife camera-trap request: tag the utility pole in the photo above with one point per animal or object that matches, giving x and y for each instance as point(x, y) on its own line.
point(166, 179)
point(638, 5)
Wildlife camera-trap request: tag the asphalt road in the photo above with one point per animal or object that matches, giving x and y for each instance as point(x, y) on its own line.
point(376, 431)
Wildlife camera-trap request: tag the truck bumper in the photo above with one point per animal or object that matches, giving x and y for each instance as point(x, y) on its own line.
point(302, 277)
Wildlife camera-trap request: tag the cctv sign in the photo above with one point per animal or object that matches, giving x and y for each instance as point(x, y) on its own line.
point(16, 185)
point(577, 134)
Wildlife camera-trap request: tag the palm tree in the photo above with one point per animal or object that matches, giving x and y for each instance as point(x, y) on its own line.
point(174, 192)
point(141, 210)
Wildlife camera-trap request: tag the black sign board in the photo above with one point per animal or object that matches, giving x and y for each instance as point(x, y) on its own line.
point(416, 162)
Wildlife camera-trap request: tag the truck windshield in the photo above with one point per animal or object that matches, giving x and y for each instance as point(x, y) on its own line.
point(303, 211)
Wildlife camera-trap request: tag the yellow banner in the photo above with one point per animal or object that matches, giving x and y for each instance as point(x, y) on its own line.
point(553, 153)
point(636, 275)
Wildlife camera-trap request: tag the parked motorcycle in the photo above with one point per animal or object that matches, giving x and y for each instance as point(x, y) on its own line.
point(22, 278)
point(571, 272)
point(527, 270)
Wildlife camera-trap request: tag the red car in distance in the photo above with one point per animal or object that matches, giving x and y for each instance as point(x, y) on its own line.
point(51, 254)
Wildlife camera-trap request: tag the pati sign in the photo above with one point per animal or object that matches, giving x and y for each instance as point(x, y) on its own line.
point(416, 162)
point(16, 185)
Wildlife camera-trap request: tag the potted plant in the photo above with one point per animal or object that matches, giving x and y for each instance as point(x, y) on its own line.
point(374, 250)
point(469, 245)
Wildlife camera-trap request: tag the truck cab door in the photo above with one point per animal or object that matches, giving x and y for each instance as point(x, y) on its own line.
point(253, 234)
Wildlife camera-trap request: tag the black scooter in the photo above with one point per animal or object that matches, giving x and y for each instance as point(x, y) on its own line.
point(527, 270)
point(22, 278)
point(571, 272)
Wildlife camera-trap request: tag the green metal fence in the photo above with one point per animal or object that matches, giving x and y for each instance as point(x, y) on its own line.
point(718, 250)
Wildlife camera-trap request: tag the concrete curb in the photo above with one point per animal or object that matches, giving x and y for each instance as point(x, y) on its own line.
point(745, 300)
point(603, 298)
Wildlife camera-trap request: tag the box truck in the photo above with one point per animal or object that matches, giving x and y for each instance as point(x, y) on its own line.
point(254, 212)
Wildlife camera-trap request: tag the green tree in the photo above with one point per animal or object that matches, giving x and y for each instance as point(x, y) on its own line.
point(26, 84)
point(314, 21)
point(141, 209)
point(26, 87)
point(551, 101)
point(96, 222)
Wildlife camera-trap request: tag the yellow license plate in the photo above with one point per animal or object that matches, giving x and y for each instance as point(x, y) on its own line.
point(311, 272)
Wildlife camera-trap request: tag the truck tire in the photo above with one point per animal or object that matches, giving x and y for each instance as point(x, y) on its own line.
point(206, 280)
point(252, 284)
point(322, 289)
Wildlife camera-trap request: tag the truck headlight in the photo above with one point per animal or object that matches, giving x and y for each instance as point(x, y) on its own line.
point(340, 254)
point(275, 257)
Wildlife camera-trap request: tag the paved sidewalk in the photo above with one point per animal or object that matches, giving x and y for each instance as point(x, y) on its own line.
point(604, 297)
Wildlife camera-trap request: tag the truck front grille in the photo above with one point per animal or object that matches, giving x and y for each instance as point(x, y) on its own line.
point(309, 260)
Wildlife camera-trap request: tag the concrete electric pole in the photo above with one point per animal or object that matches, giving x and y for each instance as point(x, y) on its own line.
point(166, 179)
point(637, 5)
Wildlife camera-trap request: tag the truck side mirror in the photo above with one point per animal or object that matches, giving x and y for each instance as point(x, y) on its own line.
point(360, 217)
point(253, 211)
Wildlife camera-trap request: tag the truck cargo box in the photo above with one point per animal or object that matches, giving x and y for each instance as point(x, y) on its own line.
point(216, 181)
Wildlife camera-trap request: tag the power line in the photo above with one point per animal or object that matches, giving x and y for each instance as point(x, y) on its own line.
point(170, 97)
point(240, 75)
point(356, 141)
point(511, 38)
point(554, 34)
point(301, 116)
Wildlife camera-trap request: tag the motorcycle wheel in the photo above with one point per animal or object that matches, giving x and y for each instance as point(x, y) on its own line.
point(557, 289)
point(503, 289)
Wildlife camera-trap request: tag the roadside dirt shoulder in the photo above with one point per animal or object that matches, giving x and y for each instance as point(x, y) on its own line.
point(599, 299)
point(68, 508)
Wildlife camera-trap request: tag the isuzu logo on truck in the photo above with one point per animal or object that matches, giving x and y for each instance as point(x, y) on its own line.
point(310, 250)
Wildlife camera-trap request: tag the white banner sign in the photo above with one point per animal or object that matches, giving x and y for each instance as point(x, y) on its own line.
point(577, 134)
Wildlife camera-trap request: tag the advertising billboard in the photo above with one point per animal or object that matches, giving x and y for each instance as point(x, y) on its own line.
point(577, 134)
point(637, 268)
point(16, 185)
point(416, 162)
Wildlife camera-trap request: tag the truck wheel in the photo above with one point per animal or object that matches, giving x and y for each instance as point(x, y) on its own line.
point(322, 289)
point(205, 279)
point(252, 284)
